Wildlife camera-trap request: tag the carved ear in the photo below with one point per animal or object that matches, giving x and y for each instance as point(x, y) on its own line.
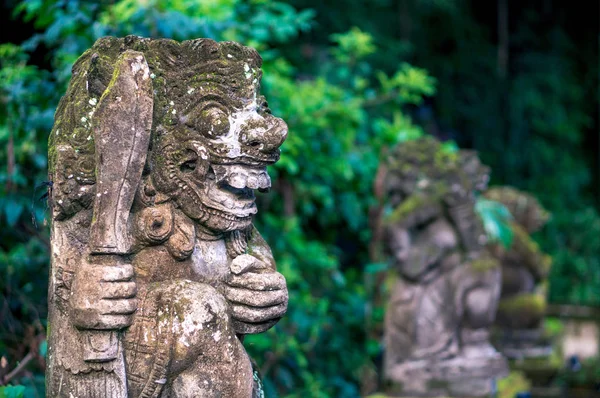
point(121, 128)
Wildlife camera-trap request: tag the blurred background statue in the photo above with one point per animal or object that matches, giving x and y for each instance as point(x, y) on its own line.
point(447, 286)
point(525, 270)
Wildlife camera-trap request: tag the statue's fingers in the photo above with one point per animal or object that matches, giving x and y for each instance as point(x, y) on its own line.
point(253, 328)
point(117, 273)
point(93, 320)
point(252, 281)
point(118, 307)
point(111, 322)
point(245, 313)
point(254, 298)
point(118, 290)
point(245, 263)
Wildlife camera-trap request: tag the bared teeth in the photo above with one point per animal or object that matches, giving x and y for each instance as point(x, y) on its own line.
point(240, 176)
point(264, 181)
point(227, 216)
point(237, 181)
point(252, 182)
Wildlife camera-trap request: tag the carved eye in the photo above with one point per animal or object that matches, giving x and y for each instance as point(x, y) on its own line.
point(210, 119)
point(213, 122)
point(188, 167)
point(188, 162)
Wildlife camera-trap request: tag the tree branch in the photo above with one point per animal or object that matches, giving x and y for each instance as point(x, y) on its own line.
point(24, 362)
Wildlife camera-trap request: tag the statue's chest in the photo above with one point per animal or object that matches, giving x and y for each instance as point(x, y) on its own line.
point(210, 261)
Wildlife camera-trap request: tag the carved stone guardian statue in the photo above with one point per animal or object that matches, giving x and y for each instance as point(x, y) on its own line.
point(446, 287)
point(525, 270)
point(157, 271)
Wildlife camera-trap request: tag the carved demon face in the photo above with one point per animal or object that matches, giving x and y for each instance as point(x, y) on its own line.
point(217, 138)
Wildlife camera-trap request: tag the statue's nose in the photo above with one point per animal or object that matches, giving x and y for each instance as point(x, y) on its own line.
point(266, 136)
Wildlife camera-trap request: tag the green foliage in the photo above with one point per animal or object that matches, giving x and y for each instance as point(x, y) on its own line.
point(496, 221)
point(529, 118)
point(410, 84)
point(25, 117)
point(553, 327)
point(354, 43)
point(586, 376)
point(574, 241)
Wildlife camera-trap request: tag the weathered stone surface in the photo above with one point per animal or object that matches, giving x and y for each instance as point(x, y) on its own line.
point(447, 286)
point(157, 271)
point(525, 270)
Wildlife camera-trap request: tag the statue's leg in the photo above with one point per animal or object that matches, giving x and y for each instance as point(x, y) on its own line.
point(479, 292)
point(399, 324)
point(181, 344)
point(421, 321)
point(480, 305)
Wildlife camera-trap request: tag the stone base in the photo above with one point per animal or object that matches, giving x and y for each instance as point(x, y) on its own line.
point(515, 352)
point(526, 343)
point(473, 374)
point(546, 392)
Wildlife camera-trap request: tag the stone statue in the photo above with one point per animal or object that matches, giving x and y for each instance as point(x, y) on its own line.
point(157, 271)
point(525, 271)
point(446, 287)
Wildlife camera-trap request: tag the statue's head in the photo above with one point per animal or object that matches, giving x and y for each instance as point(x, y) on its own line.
point(216, 135)
point(426, 168)
point(212, 134)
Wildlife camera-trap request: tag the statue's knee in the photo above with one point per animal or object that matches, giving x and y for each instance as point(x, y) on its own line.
point(198, 318)
point(479, 303)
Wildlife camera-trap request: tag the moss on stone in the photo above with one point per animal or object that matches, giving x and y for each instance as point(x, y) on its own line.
point(524, 302)
point(408, 207)
point(553, 362)
point(484, 264)
point(525, 249)
point(522, 311)
point(512, 384)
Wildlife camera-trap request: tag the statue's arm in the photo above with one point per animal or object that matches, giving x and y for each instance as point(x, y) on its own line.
point(417, 249)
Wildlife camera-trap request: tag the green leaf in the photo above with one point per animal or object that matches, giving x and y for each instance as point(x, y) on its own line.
point(353, 45)
point(12, 211)
point(375, 268)
point(12, 391)
point(43, 350)
point(496, 221)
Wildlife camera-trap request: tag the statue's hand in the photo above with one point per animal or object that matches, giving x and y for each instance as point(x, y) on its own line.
point(103, 294)
point(258, 295)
